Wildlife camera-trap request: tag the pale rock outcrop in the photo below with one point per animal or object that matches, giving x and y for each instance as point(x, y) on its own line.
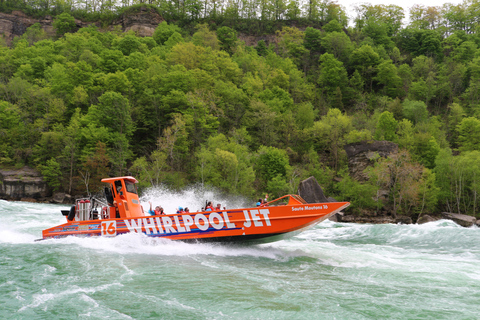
point(23, 184)
point(461, 219)
point(143, 23)
point(425, 219)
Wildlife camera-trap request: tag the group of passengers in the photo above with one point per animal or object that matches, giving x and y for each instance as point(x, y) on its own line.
point(182, 210)
point(159, 210)
point(263, 202)
point(209, 207)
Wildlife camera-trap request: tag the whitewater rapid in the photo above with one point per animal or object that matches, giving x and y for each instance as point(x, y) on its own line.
point(333, 271)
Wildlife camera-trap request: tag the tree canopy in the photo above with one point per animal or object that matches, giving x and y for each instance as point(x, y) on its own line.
point(195, 104)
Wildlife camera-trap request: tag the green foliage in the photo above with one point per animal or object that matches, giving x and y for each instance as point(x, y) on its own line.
point(165, 31)
point(338, 44)
point(333, 26)
point(415, 111)
point(386, 127)
point(361, 196)
point(51, 173)
point(271, 163)
point(458, 180)
point(331, 133)
point(205, 38)
point(333, 74)
point(194, 104)
point(469, 134)
point(64, 23)
point(420, 42)
point(226, 165)
point(227, 38)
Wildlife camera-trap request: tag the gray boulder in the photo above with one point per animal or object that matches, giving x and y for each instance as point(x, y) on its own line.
point(425, 219)
point(311, 192)
point(461, 219)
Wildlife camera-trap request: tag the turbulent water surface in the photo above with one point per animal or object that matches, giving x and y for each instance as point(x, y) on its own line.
point(333, 271)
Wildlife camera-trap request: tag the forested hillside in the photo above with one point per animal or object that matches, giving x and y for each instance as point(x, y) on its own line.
point(194, 104)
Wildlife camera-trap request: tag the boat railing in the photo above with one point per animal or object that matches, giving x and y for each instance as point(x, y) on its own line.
point(87, 209)
point(289, 199)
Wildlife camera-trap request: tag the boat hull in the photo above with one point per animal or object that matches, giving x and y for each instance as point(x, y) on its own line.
point(250, 225)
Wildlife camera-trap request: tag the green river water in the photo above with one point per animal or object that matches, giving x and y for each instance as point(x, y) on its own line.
point(332, 271)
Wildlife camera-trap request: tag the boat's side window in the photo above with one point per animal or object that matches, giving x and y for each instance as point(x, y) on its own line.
point(109, 195)
point(130, 187)
point(118, 187)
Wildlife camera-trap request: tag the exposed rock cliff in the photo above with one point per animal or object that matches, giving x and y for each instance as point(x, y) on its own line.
point(362, 155)
point(142, 22)
point(23, 184)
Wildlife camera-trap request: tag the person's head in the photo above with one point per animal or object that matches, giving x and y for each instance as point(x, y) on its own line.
point(218, 206)
point(209, 203)
point(157, 208)
point(187, 210)
point(180, 209)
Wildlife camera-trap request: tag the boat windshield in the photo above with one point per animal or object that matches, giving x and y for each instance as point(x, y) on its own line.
point(130, 187)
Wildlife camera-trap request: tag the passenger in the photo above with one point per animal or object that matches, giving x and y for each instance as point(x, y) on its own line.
point(209, 206)
point(180, 210)
point(265, 201)
point(158, 210)
point(187, 210)
point(219, 207)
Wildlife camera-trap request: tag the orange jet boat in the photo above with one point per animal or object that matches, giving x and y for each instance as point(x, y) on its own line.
point(121, 213)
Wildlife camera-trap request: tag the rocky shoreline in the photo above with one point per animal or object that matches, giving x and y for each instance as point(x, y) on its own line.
point(312, 192)
point(26, 184)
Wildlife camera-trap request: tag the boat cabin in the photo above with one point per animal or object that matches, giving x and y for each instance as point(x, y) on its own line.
point(122, 197)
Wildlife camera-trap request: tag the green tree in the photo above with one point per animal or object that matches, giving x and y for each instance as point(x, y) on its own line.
point(227, 38)
point(271, 163)
point(338, 44)
point(415, 111)
point(165, 31)
point(205, 38)
point(64, 23)
point(225, 164)
point(52, 173)
point(402, 178)
point(365, 60)
point(333, 74)
point(469, 134)
point(388, 77)
point(331, 132)
point(386, 127)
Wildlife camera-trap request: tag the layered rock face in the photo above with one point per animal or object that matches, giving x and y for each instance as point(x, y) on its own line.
point(23, 184)
point(143, 23)
point(362, 155)
point(16, 23)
